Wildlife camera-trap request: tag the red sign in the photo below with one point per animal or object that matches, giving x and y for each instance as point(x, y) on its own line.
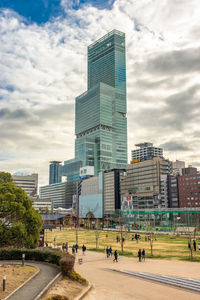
point(128, 198)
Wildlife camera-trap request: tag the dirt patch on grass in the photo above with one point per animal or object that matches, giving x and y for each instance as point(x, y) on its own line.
point(65, 287)
point(15, 276)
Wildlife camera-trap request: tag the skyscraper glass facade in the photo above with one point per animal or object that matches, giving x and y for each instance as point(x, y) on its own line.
point(100, 112)
point(54, 172)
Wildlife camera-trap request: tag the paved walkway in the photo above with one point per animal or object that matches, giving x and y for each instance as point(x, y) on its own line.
point(116, 286)
point(30, 290)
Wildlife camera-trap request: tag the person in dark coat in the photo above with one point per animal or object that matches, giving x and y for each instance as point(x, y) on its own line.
point(115, 256)
point(143, 254)
point(110, 251)
point(107, 252)
point(73, 249)
point(83, 249)
point(76, 248)
point(195, 245)
point(140, 255)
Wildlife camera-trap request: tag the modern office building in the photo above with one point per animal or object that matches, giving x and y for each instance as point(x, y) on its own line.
point(100, 112)
point(54, 172)
point(189, 190)
point(61, 194)
point(29, 183)
point(145, 184)
point(145, 151)
point(112, 193)
point(91, 197)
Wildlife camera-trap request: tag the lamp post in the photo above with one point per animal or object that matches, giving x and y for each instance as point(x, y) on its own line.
point(23, 259)
point(4, 283)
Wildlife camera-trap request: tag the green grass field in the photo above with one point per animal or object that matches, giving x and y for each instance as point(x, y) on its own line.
point(164, 247)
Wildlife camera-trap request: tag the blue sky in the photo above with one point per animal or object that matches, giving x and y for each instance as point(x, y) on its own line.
point(41, 11)
point(43, 67)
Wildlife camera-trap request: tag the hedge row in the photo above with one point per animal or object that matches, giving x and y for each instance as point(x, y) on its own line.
point(49, 256)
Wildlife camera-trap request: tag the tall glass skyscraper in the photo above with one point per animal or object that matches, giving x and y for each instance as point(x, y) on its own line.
point(100, 112)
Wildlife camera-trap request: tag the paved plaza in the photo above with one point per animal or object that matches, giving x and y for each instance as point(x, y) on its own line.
point(113, 285)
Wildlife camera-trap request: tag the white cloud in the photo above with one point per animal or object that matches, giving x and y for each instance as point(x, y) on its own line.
point(43, 68)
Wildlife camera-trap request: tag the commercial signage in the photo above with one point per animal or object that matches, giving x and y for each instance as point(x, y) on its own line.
point(86, 171)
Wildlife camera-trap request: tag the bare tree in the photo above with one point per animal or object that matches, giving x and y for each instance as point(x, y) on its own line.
point(97, 234)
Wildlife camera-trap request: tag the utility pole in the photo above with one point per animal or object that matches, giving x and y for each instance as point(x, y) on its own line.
point(78, 193)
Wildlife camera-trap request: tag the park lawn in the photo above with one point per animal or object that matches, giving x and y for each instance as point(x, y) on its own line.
point(164, 247)
point(15, 276)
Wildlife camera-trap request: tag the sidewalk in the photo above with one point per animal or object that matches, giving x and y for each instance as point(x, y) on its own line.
point(96, 268)
point(30, 290)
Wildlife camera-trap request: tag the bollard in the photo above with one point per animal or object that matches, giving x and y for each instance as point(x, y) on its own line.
point(4, 283)
point(23, 259)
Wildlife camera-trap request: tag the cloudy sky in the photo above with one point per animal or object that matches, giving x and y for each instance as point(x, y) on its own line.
point(43, 64)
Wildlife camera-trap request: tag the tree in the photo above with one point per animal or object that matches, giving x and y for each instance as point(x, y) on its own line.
point(20, 224)
point(89, 216)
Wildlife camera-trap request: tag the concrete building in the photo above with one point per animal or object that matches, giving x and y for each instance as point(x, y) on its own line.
point(112, 194)
point(189, 190)
point(145, 151)
point(42, 204)
point(177, 167)
point(173, 198)
point(145, 184)
point(189, 170)
point(29, 183)
point(91, 197)
point(61, 194)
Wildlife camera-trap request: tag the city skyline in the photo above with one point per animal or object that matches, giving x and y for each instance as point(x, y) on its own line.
point(43, 68)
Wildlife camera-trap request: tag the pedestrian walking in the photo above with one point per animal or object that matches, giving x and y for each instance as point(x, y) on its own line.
point(143, 254)
point(110, 251)
point(123, 239)
point(140, 255)
point(107, 252)
point(83, 249)
point(189, 245)
point(63, 247)
point(76, 248)
point(115, 256)
point(194, 245)
point(132, 237)
point(73, 249)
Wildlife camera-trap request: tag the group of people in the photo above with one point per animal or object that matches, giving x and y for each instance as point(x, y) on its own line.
point(75, 249)
point(141, 255)
point(65, 247)
point(194, 245)
point(108, 251)
point(118, 239)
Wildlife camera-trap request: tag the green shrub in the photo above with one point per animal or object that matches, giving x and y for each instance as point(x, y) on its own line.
point(49, 256)
point(58, 297)
point(67, 264)
point(77, 277)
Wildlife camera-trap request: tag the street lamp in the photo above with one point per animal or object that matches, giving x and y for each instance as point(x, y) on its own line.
point(23, 259)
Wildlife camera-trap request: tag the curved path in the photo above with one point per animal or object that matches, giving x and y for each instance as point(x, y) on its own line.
point(34, 286)
point(117, 286)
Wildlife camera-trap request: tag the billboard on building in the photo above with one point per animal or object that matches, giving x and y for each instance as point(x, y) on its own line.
point(86, 171)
